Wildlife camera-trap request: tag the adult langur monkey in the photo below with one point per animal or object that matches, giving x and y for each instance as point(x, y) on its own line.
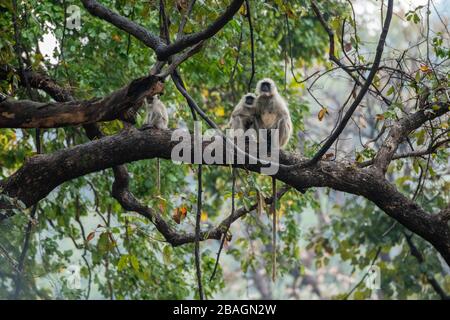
point(157, 118)
point(272, 113)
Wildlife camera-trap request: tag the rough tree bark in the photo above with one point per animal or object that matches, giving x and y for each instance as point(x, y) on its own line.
point(42, 173)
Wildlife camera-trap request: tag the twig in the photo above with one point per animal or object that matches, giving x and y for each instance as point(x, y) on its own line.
point(420, 258)
point(224, 237)
point(365, 275)
point(185, 18)
point(364, 88)
point(26, 243)
point(252, 45)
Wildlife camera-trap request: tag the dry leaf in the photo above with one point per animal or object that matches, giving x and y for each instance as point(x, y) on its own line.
point(179, 214)
point(328, 156)
point(322, 113)
point(362, 122)
point(182, 5)
point(379, 117)
point(348, 46)
point(90, 236)
point(424, 68)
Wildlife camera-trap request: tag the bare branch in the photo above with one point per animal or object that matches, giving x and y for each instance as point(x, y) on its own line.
point(179, 59)
point(415, 252)
point(365, 87)
point(400, 131)
point(179, 45)
point(141, 33)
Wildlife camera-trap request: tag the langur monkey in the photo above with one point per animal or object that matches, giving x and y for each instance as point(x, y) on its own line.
point(157, 118)
point(243, 115)
point(272, 113)
point(242, 119)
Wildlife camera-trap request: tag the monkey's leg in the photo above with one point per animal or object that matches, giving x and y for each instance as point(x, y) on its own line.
point(274, 228)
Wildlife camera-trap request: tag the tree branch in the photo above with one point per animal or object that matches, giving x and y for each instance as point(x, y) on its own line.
point(163, 52)
point(42, 173)
point(141, 33)
point(31, 114)
point(365, 87)
point(400, 131)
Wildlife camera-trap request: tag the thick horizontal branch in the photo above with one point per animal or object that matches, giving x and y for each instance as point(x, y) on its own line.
point(39, 81)
point(31, 114)
point(42, 173)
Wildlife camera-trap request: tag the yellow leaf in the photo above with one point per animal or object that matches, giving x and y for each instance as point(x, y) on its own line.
point(243, 10)
point(203, 216)
point(205, 93)
point(220, 111)
point(424, 68)
point(322, 113)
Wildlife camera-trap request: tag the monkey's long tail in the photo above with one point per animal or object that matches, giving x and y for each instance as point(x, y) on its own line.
point(197, 235)
point(274, 228)
point(224, 237)
point(158, 176)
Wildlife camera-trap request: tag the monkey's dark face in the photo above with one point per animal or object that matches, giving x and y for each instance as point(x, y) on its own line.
point(249, 100)
point(266, 87)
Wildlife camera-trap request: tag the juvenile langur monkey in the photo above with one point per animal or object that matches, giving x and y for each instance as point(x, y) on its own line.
point(272, 113)
point(242, 118)
point(157, 118)
point(243, 115)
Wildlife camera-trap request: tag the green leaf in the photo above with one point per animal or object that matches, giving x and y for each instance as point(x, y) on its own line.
point(134, 262)
point(167, 254)
point(123, 262)
point(390, 91)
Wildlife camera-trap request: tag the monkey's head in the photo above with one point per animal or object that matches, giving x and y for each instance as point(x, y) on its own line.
point(249, 100)
point(266, 87)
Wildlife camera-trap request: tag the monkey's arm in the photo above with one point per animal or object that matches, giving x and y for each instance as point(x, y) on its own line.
point(236, 122)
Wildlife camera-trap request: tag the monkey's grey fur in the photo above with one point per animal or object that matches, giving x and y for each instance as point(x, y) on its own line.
point(157, 116)
point(243, 115)
point(272, 111)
